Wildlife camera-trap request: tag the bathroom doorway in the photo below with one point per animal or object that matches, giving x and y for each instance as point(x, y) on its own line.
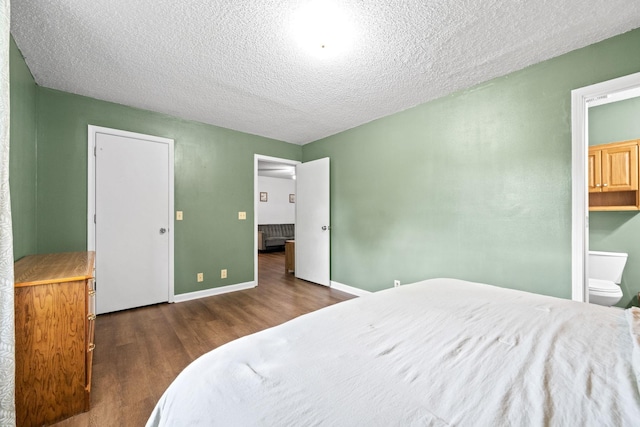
point(598, 99)
point(612, 122)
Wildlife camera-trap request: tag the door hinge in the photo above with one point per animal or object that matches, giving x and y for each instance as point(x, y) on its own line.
point(94, 150)
point(94, 218)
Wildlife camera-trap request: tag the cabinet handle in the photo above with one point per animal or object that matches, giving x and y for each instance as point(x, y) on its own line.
point(597, 185)
point(92, 347)
point(92, 316)
point(92, 293)
point(604, 185)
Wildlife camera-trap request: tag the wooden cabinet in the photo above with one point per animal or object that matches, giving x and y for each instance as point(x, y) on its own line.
point(613, 176)
point(289, 256)
point(55, 323)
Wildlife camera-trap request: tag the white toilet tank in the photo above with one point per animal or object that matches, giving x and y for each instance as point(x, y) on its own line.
point(607, 265)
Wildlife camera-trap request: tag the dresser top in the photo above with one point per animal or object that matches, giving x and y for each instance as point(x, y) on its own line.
point(53, 268)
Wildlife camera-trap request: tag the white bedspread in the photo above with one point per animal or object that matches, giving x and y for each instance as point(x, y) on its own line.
point(435, 353)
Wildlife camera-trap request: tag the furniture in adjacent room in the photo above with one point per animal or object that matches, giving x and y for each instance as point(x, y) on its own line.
point(55, 323)
point(613, 176)
point(289, 256)
point(273, 236)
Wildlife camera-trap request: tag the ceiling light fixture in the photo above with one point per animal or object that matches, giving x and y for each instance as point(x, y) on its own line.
point(322, 28)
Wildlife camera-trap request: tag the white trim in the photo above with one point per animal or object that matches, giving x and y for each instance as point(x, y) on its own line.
point(256, 202)
point(581, 100)
point(349, 289)
point(91, 187)
point(614, 97)
point(579, 212)
point(214, 291)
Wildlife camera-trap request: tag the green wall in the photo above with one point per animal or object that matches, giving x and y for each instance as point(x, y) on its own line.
point(617, 231)
point(22, 157)
point(618, 121)
point(213, 181)
point(475, 185)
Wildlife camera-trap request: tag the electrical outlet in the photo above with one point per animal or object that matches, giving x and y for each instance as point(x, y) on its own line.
point(178, 215)
point(223, 273)
point(396, 283)
point(242, 215)
point(200, 277)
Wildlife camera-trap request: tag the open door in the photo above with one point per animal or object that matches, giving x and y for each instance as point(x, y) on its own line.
point(313, 235)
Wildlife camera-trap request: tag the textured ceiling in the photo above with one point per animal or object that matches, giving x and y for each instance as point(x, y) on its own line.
point(239, 65)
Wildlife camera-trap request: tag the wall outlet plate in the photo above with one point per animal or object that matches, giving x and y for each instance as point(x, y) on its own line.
point(200, 277)
point(242, 215)
point(178, 215)
point(396, 283)
point(223, 273)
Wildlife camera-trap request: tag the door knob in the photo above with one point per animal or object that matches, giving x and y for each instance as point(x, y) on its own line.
point(163, 230)
point(325, 228)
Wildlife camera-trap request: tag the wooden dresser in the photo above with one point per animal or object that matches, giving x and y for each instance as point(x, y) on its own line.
point(55, 322)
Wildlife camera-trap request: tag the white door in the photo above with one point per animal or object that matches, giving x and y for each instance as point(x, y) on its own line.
point(132, 218)
point(313, 236)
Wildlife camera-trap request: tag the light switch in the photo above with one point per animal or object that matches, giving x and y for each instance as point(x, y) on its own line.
point(178, 215)
point(242, 215)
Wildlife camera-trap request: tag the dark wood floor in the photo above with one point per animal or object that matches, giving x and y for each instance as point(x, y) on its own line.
point(139, 352)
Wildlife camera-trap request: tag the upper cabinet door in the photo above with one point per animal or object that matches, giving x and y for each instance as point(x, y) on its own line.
point(595, 174)
point(619, 168)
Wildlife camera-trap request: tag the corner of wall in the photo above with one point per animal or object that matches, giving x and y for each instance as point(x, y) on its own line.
point(23, 157)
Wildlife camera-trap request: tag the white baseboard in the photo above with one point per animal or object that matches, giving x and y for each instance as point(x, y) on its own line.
point(213, 291)
point(349, 289)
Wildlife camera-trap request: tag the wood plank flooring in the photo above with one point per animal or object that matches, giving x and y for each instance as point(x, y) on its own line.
point(139, 352)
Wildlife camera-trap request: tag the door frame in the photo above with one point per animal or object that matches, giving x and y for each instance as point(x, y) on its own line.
point(256, 203)
point(581, 99)
point(91, 189)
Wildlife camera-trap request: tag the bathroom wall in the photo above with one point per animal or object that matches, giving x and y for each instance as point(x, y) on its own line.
point(617, 231)
point(618, 121)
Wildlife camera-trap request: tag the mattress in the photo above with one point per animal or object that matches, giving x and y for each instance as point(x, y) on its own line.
point(441, 352)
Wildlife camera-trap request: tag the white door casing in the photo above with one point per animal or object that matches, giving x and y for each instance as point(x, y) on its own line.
point(132, 199)
point(313, 234)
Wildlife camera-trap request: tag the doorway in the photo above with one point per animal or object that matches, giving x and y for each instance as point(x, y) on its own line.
point(276, 176)
point(130, 218)
point(581, 100)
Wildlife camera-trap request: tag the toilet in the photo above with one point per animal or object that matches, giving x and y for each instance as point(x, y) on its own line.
point(605, 275)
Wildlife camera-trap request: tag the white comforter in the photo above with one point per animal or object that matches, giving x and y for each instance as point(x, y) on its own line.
point(435, 353)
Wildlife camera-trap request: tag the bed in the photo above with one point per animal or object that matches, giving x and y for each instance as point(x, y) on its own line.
point(435, 353)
